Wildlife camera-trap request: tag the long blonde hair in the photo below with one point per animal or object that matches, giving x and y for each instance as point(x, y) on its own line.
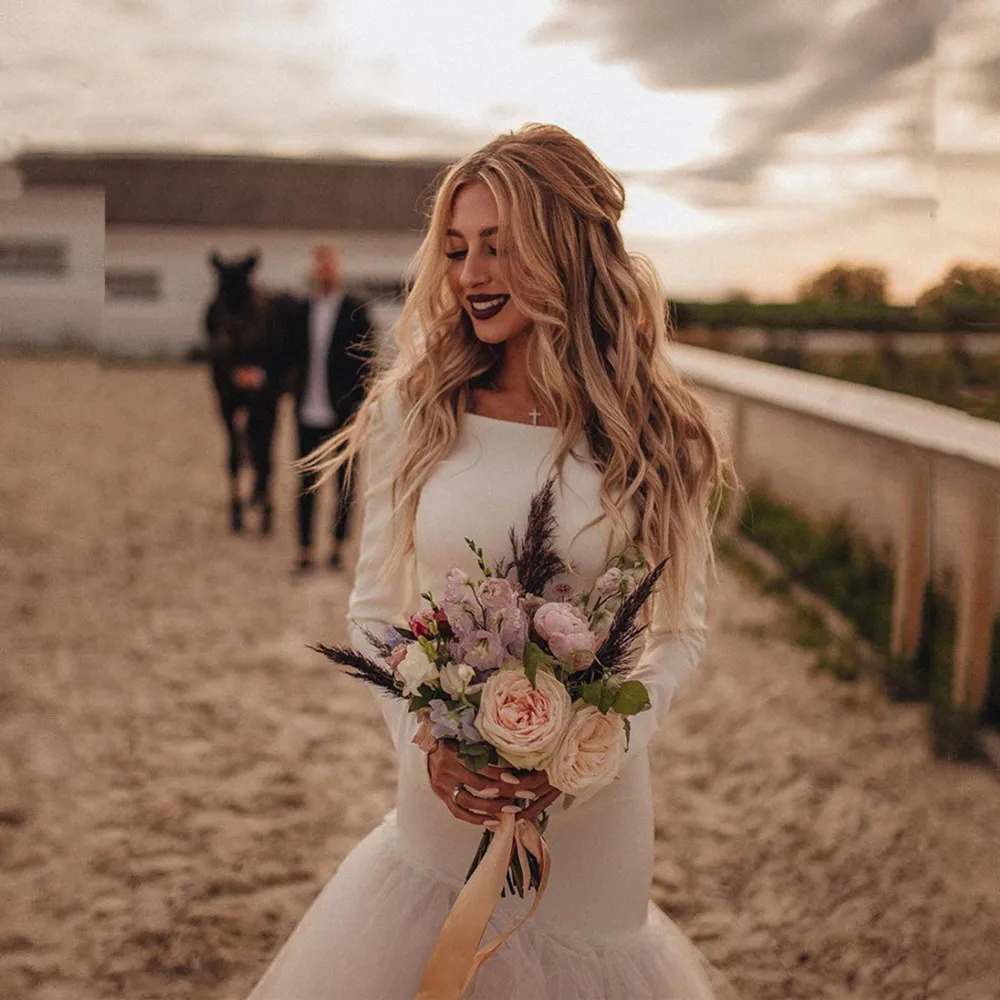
point(596, 352)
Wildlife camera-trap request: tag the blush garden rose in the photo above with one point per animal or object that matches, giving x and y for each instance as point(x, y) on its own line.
point(590, 754)
point(525, 723)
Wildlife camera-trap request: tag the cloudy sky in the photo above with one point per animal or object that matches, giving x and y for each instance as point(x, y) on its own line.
point(759, 140)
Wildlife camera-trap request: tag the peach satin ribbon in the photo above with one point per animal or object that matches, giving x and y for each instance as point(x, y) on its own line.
point(455, 961)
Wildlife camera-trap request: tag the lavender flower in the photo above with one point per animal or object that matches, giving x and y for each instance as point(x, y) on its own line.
point(393, 638)
point(497, 594)
point(453, 723)
point(481, 650)
point(512, 626)
point(456, 587)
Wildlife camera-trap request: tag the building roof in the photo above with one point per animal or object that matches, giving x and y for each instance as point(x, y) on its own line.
point(259, 192)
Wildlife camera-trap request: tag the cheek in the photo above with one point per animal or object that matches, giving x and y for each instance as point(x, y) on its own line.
point(455, 281)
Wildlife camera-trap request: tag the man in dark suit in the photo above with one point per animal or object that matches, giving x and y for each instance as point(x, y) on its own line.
point(330, 345)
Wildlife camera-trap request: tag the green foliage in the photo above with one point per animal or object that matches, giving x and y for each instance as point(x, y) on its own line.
point(535, 657)
point(631, 698)
point(821, 315)
point(952, 726)
point(475, 756)
point(954, 378)
point(600, 694)
point(828, 559)
point(839, 661)
point(833, 562)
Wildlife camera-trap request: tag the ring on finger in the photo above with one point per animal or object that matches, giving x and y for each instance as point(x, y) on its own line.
point(454, 793)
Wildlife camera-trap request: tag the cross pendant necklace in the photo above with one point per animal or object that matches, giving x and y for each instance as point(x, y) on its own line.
point(534, 414)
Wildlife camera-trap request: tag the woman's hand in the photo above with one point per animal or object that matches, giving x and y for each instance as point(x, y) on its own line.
point(483, 797)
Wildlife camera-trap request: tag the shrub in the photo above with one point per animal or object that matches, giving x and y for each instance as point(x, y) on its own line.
point(830, 560)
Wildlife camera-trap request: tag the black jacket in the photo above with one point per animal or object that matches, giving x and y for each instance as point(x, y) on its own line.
point(352, 348)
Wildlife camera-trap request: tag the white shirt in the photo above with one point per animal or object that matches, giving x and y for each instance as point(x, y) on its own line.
point(316, 409)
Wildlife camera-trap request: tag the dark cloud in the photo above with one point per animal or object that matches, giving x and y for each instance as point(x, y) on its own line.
point(817, 69)
point(680, 44)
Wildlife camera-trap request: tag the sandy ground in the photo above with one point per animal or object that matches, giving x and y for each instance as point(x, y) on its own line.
point(179, 775)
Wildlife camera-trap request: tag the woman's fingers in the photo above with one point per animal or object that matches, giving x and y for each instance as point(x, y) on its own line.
point(488, 808)
point(536, 808)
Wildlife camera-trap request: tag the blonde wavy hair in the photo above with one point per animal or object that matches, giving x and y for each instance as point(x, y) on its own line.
point(596, 354)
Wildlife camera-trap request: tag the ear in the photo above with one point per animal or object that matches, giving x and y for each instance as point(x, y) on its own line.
point(251, 261)
point(215, 260)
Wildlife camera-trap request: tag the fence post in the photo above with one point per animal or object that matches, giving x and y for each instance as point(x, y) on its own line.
point(913, 557)
point(974, 625)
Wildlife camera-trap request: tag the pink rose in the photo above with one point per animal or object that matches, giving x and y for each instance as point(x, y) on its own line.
point(567, 631)
point(590, 754)
point(526, 724)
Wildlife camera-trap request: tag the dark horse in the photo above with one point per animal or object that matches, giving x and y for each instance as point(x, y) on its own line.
point(246, 333)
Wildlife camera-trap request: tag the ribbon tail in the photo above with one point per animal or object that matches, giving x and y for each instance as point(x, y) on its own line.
point(447, 972)
point(454, 961)
point(526, 837)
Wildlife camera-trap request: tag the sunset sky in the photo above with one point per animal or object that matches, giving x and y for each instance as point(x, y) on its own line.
point(758, 140)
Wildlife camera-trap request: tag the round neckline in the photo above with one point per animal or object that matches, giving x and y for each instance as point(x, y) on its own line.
point(511, 423)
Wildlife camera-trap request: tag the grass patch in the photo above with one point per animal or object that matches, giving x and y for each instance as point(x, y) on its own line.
point(834, 562)
point(829, 560)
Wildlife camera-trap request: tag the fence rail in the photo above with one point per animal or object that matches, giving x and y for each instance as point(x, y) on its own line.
point(921, 477)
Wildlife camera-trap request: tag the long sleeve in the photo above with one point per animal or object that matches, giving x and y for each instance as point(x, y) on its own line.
point(380, 600)
point(670, 656)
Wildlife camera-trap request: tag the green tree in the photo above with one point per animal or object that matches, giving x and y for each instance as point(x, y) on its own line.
point(967, 297)
point(846, 283)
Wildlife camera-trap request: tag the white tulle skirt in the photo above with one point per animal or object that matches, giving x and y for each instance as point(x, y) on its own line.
point(370, 931)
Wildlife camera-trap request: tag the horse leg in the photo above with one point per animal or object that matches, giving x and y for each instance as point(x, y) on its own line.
point(228, 408)
point(260, 434)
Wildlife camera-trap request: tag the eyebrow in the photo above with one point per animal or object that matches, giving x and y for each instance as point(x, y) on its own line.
point(488, 231)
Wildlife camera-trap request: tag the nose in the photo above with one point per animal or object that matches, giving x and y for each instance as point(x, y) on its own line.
point(473, 272)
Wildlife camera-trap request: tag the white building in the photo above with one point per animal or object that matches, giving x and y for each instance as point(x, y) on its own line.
point(52, 266)
point(112, 250)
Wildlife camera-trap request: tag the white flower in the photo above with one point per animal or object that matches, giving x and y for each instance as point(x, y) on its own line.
point(609, 582)
point(455, 678)
point(590, 754)
point(415, 669)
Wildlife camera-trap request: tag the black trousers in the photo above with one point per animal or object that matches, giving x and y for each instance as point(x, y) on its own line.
point(311, 438)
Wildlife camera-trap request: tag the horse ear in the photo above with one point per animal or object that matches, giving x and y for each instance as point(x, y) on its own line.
point(215, 260)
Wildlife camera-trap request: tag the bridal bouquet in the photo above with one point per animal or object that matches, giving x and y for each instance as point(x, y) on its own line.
point(520, 671)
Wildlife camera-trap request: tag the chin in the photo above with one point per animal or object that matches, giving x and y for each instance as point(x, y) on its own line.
point(494, 334)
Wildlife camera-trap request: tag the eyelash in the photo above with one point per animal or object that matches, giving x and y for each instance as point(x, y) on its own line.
point(459, 254)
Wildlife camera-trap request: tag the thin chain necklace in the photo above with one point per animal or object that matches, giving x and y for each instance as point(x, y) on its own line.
point(534, 413)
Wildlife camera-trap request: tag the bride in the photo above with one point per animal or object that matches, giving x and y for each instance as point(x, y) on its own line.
point(530, 343)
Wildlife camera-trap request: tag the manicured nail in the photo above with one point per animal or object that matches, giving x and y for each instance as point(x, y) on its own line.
point(485, 793)
point(509, 778)
point(510, 809)
point(491, 823)
point(525, 794)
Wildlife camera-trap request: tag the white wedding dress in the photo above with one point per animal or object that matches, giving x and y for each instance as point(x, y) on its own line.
point(596, 935)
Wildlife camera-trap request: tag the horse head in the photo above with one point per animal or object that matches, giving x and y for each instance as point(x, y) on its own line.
point(234, 290)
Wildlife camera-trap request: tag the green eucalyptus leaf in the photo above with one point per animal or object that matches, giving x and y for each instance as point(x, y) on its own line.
point(475, 756)
point(534, 658)
point(608, 696)
point(591, 693)
point(631, 698)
